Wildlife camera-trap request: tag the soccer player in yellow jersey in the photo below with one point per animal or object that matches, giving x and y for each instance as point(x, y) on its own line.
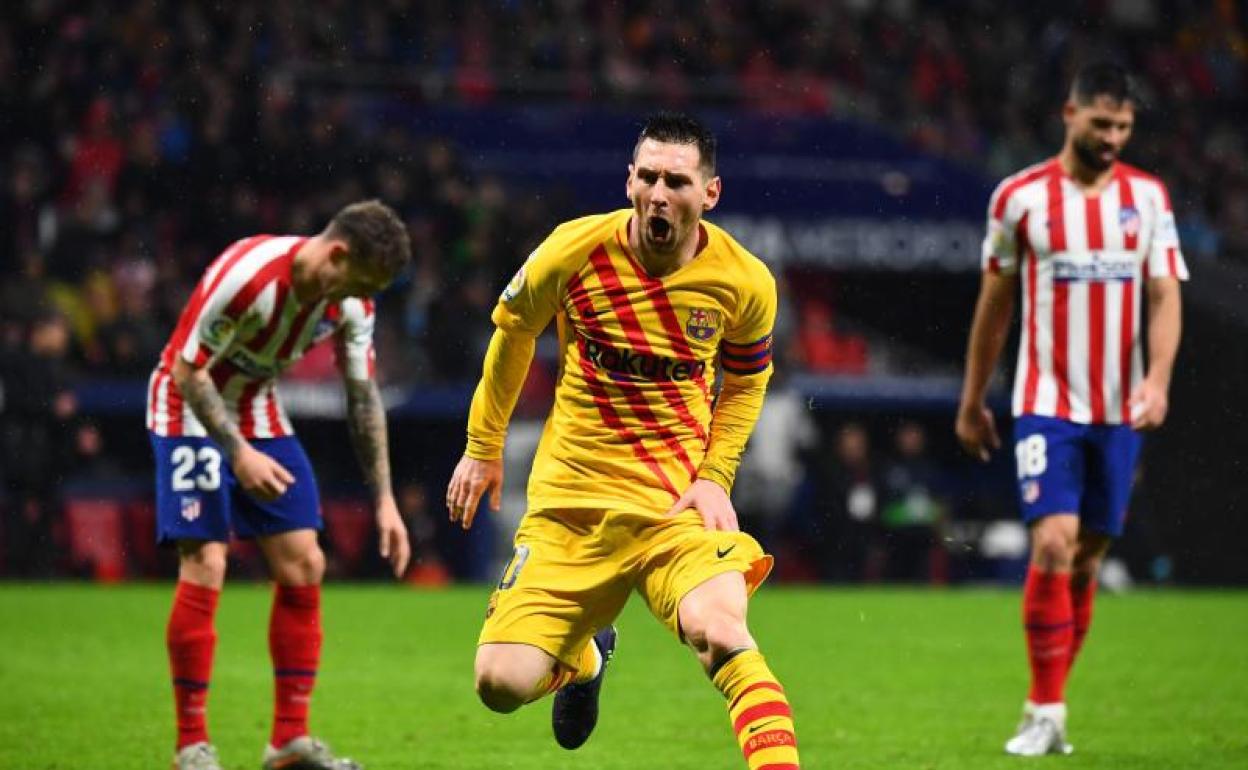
point(629, 488)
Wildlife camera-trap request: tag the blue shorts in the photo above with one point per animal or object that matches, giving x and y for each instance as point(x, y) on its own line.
point(1065, 467)
point(198, 497)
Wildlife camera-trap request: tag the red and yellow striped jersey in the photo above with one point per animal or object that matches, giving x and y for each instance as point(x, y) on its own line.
point(634, 420)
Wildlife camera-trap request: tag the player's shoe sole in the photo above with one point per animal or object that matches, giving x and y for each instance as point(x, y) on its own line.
point(575, 713)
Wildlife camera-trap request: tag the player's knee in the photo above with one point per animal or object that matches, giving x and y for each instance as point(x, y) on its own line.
point(498, 690)
point(305, 568)
point(202, 564)
point(1052, 549)
point(314, 564)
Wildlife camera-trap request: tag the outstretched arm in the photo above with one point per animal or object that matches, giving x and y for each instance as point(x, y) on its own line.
point(480, 470)
point(976, 429)
point(366, 422)
point(260, 475)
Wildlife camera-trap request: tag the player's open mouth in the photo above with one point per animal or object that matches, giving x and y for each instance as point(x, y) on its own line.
point(659, 228)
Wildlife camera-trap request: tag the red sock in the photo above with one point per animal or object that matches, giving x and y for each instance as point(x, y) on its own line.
point(190, 639)
point(1048, 619)
point(1081, 596)
point(295, 646)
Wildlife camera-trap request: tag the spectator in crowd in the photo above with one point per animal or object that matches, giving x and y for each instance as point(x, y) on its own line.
point(847, 500)
point(36, 426)
point(913, 510)
point(107, 107)
point(774, 463)
point(135, 140)
point(428, 567)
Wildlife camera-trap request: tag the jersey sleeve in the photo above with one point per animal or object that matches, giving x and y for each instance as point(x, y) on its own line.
point(1000, 251)
point(532, 298)
point(746, 347)
point(1165, 258)
point(353, 349)
point(745, 354)
point(216, 324)
point(232, 302)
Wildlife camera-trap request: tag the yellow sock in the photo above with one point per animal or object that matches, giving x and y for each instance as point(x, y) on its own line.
point(760, 713)
point(560, 675)
point(587, 666)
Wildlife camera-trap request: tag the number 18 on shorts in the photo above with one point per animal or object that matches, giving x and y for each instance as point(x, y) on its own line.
point(1066, 467)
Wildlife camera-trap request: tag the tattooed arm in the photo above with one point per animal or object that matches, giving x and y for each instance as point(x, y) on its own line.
point(260, 475)
point(205, 400)
point(366, 421)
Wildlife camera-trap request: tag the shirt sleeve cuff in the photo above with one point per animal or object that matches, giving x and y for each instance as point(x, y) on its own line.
point(480, 449)
point(720, 477)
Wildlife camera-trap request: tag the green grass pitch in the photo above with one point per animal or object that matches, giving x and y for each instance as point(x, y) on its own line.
point(877, 678)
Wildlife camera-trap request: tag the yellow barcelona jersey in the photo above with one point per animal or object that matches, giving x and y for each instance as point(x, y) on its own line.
point(634, 419)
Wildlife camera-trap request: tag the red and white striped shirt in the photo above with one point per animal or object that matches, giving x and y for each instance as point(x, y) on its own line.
point(245, 325)
point(1083, 261)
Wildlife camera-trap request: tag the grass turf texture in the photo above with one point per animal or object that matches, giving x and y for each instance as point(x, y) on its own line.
point(878, 679)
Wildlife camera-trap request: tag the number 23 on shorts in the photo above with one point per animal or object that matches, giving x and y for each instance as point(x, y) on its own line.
point(186, 460)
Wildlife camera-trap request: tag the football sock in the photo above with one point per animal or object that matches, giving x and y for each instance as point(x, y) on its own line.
point(558, 676)
point(588, 665)
point(295, 647)
point(190, 639)
point(760, 714)
point(1048, 620)
point(1082, 595)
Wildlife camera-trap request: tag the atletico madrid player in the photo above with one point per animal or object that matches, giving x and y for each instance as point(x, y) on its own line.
point(227, 459)
point(1092, 242)
point(629, 488)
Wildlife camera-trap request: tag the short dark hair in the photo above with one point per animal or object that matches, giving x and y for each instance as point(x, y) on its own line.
point(1104, 79)
point(680, 128)
point(375, 235)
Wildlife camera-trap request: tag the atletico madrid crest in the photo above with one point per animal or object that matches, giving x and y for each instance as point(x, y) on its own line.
point(1129, 221)
point(1031, 491)
point(702, 323)
point(190, 508)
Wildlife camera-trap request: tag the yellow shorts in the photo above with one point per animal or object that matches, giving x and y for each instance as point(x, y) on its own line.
point(573, 570)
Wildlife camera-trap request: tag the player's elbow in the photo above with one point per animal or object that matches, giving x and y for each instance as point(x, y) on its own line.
point(1163, 290)
point(182, 372)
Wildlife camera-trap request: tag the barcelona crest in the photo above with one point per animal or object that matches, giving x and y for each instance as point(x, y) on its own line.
point(703, 323)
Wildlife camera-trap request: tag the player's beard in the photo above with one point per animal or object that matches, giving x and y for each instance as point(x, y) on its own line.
point(1089, 153)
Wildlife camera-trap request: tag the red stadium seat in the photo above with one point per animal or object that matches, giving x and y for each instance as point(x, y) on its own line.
point(144, 554)
point(349, 530)
point(246, 560)
point(96, 537)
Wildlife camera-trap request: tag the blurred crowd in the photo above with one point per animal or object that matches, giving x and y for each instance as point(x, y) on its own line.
point(138, 139)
